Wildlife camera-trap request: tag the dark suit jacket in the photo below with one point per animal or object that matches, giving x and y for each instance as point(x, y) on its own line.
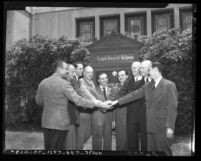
point(120, 111)
point(136, 110)
point(161, 104)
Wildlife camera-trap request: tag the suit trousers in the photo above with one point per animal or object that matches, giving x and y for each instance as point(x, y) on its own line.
point(84, 131)
point(159, 142)
point(136, 134)
point(121, 137)
point(71, 138)
point(54, 139)
point(102, 133)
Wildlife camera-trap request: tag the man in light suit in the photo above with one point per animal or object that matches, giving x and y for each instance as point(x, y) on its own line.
point(84, 129)
point(102, 121)
point(120, 114)
point(161, 101)
point(53, 94)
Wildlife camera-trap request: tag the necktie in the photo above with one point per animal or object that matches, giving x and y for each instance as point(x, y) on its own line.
point(146, 80)
point(154, 85)
point(104, 93)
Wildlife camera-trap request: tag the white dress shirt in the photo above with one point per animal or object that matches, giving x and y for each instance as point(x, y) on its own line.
point(149, 79)
point(105, 89)
point(138, 78)
point(157, 81)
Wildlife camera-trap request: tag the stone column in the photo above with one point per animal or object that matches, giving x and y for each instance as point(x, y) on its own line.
point(97, 27)
point(176, 17)
point(149, 21)
point(122, 22)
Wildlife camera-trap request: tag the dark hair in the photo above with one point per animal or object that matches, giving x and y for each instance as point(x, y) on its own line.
point(159, 66)
point(126, 72)
point(101, 73)
point(76, 63)
point(58, 63)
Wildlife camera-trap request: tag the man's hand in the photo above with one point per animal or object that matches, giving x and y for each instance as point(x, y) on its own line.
point(97, 103)
point(105, 105)
point(114, 102)
point(169, 133)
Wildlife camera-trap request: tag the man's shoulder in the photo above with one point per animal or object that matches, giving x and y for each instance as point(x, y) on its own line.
point(98, 88)
point(46, 80)
point(168, 82)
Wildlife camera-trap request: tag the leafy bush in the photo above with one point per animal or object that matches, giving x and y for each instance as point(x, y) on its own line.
point(173, 49)
point(27, 64)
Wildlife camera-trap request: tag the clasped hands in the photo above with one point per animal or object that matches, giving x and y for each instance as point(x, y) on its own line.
point(106, 105)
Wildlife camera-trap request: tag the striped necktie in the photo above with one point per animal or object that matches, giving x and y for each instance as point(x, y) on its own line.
point(104, 93)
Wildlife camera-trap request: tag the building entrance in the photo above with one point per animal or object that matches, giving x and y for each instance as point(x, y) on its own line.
point(112, 53)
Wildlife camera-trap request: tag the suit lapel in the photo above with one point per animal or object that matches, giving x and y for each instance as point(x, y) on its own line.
point(156, 92)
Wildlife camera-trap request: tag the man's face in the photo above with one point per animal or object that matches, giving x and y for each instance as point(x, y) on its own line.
point(144, 70)
point(122, 76)
point(152, 72)
point(103, 80)
point(64, 70)
point(79, 70)
point(71, 71)
point(88, 73)
point(135, 69)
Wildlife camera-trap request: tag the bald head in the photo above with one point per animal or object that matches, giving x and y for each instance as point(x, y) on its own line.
point(71, 67)
point(135, 68)
point(145, 65)
point(88, 72)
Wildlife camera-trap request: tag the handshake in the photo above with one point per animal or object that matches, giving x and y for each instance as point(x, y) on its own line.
point(107, 105)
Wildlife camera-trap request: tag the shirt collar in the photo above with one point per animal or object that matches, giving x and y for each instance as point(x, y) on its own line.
point(88, 81)
point(149, 79)
point(56, 75)
point(102, 87)
point(157, 81)
point(76, 77)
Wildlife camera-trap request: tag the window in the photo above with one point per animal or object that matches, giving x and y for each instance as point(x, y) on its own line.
point(135, 25)
point(162, 21)
point(86, 29)
point(186, 18)
point(109, 25)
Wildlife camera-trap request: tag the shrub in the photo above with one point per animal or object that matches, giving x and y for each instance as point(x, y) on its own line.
point(174, 50)
point(27, 64)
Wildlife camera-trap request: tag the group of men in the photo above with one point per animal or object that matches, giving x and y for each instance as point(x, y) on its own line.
point(75, 108)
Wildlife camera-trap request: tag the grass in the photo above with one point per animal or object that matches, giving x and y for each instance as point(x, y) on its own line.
point(34, 141)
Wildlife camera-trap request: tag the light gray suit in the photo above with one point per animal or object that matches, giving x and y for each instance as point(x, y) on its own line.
point(102, 125)
point(84, 129)
point(53, 94)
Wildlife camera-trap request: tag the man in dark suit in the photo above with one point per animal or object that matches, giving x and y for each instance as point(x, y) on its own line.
point(53, 94)
point(136, 111)
point(120, 114)
point(161, 101)
point(102, 121)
